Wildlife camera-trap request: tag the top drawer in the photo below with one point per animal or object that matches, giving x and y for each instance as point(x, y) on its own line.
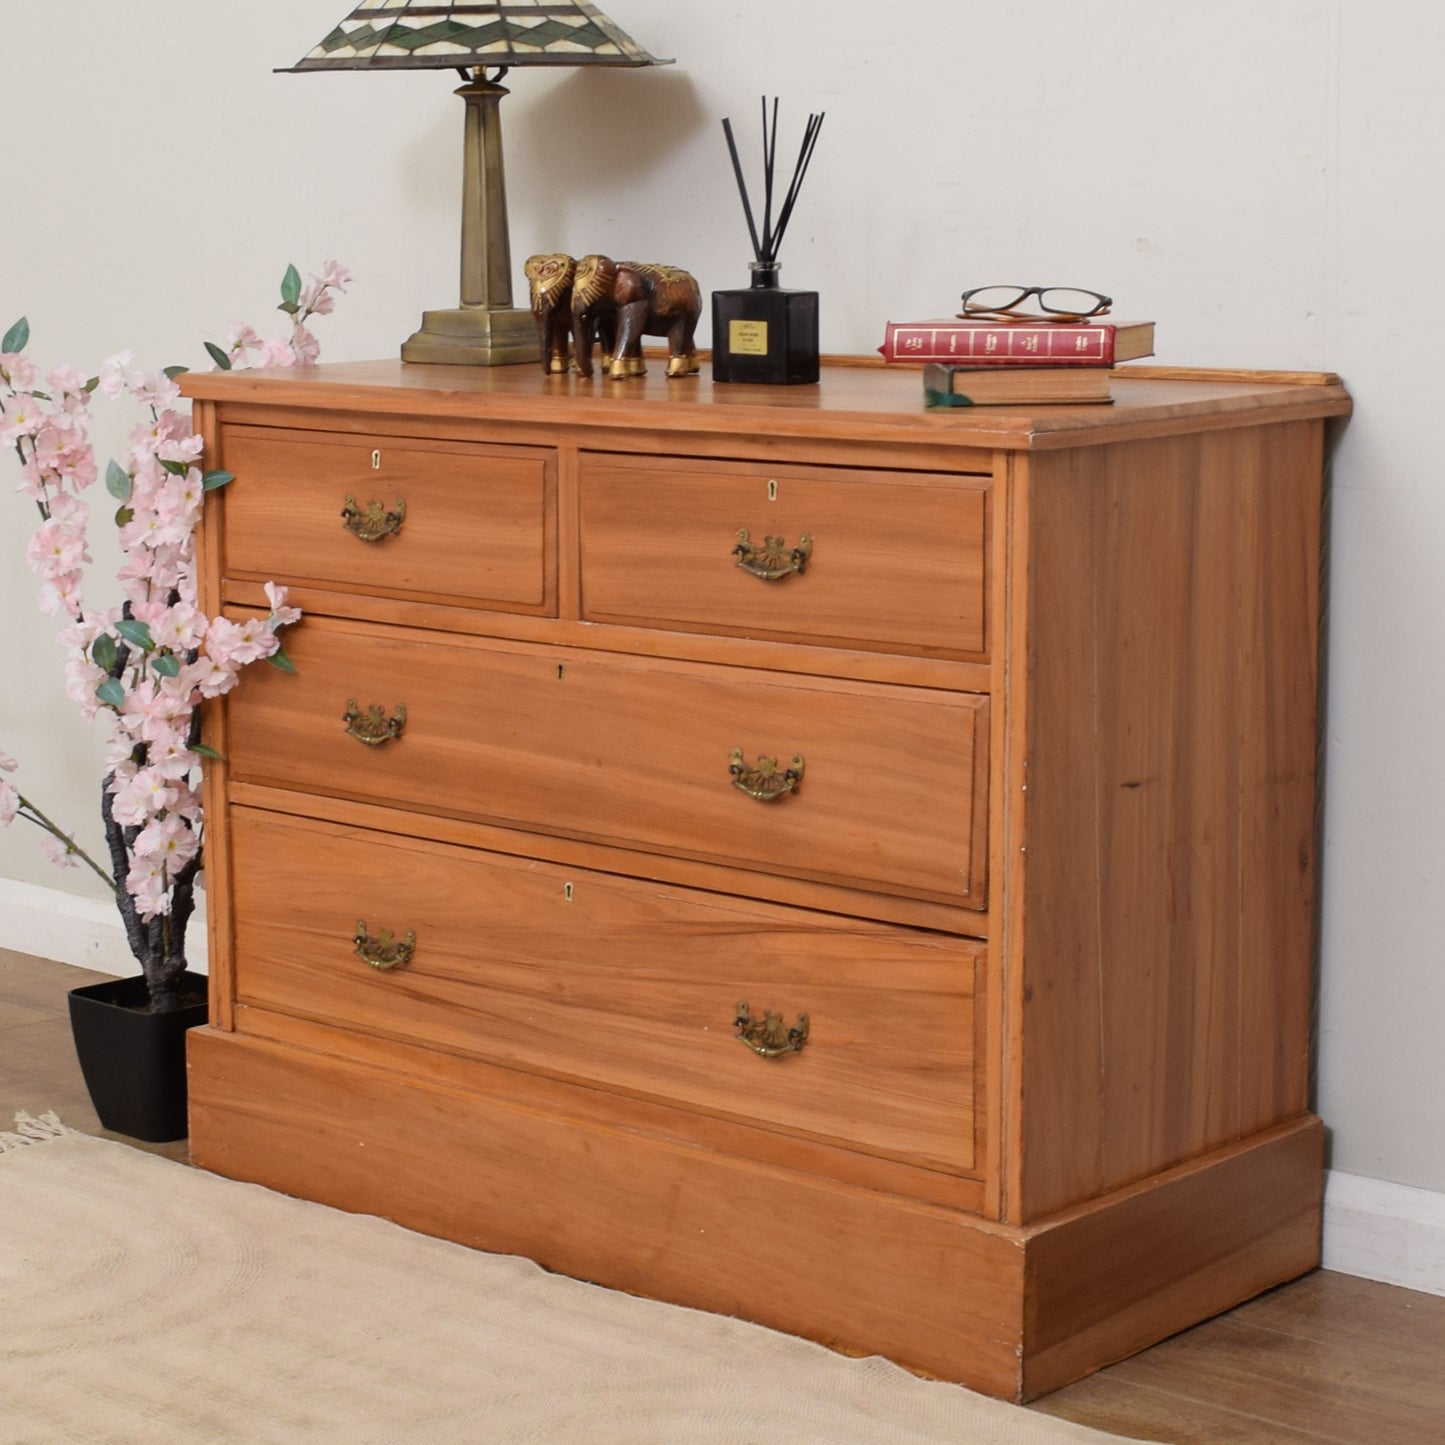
point(398, 517)
point(895, 560)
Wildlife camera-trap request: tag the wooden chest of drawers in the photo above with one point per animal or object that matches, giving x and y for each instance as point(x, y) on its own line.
point(779, 850)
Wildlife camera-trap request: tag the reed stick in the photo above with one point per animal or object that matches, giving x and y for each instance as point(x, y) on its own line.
point(765, 248)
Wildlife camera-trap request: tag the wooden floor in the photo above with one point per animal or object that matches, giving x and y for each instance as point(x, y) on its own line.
point(1328, 1358)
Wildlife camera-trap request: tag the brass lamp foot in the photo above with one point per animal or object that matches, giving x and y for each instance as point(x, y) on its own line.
point(475, 336)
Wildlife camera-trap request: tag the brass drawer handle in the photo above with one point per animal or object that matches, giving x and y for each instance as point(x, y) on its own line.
point(373, 523)
point(766, 781)
point(374, 728)
point(768, 1035)
point(773, 560)
point(383, 950)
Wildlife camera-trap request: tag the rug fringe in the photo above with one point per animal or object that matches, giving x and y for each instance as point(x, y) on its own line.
point(30, 1130)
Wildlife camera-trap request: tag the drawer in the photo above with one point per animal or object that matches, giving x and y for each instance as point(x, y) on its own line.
point(619, 984)
point(632, 750)
point(424, 520)
point(895, 560)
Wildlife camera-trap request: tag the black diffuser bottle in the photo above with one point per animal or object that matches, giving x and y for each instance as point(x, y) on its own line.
point(764, 333)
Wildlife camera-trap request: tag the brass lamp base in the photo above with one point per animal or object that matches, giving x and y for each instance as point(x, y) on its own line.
point(475, 336)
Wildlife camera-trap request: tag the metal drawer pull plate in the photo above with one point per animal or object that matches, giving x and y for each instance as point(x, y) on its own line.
point(773, 560)
point(766, 781)
point(382, 950)
point(373, 523)
point(374, 728)
point(769, 1036)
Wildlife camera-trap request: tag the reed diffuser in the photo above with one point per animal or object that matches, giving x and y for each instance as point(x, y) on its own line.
point(764, 333)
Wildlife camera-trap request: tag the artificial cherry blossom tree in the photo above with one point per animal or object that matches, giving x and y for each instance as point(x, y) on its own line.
point(147, 663)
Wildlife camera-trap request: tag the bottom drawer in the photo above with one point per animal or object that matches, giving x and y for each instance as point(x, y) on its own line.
point(626, 985)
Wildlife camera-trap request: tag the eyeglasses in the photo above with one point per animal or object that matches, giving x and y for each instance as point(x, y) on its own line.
point(1059, 303)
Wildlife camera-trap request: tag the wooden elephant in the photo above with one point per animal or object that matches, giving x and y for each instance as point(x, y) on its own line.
point(549, 282)
point(631, 300)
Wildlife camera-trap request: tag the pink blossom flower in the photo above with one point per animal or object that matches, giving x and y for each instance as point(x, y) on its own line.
point(82, 677)
point(20, 416)
point(275, 352)
point(67, 381)
point(233, 645)
point(180, 448)
point(187, 804)
point(146, 794)
point(165, 425)
point(153, 527)
point(146, 882)
point(169, 840)
point(178, 628)
point(68, 509)
point(62, 453)
point(56, 548)
point(62, 596)
point(153, 388)
point(179, 502)
point(281, 614)
point(305, 346)
point(32, 480)
point(151, 709)
point(60, 851)
point(316, 300)
point(113, 374)
point(333, 273)
point(169, 755)
point(157, 569)
point(239, 340)
point(18, 370)
point(9, 802)
point(208, 677)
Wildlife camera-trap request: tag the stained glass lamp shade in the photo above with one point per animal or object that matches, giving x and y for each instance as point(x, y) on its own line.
point(486, 329)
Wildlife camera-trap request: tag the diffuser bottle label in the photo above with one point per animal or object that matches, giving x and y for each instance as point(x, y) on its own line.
point(748, 338)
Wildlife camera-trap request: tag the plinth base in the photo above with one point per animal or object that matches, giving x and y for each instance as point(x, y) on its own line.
point(475, 336)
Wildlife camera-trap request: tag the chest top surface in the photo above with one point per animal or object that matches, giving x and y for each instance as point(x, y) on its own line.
point(866, 401)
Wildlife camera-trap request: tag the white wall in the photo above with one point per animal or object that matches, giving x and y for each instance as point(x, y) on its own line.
point(1263, 178)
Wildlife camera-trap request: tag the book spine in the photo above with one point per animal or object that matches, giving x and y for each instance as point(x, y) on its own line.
point(1005, 345)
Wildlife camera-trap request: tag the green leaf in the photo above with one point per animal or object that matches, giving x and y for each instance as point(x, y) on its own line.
point(166, 665)
point(290, 288)
point(176, 469)
point(279, 660)
point(175, 371)
point(291, 308)
point(91, 385)
point(213, 481)
point(124, 516)
point(18, 337)
point(102, 653)
point(118, 482)
point(138, 634)
point(111, 693)
point(201, 750)
point(218, 356)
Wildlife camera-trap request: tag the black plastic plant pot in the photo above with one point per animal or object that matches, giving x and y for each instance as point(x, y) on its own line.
point(134, 1061)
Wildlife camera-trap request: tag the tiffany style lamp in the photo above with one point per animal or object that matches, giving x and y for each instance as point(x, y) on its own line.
point(482, 42)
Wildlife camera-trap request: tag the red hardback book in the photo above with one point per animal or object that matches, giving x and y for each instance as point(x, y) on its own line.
point(1018, 343)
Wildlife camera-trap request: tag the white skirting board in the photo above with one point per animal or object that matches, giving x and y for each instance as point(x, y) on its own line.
point(72, 929)
point(1374, 1229)
point(1389, 1232)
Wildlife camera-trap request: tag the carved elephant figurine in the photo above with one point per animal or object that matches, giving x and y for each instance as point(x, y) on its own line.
point(549, 282)
point(631, 300)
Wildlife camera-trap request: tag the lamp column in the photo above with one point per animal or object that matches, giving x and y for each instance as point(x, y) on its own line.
point(486, 329)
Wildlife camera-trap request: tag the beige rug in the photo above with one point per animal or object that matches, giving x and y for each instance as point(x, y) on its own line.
point(142, 1300)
